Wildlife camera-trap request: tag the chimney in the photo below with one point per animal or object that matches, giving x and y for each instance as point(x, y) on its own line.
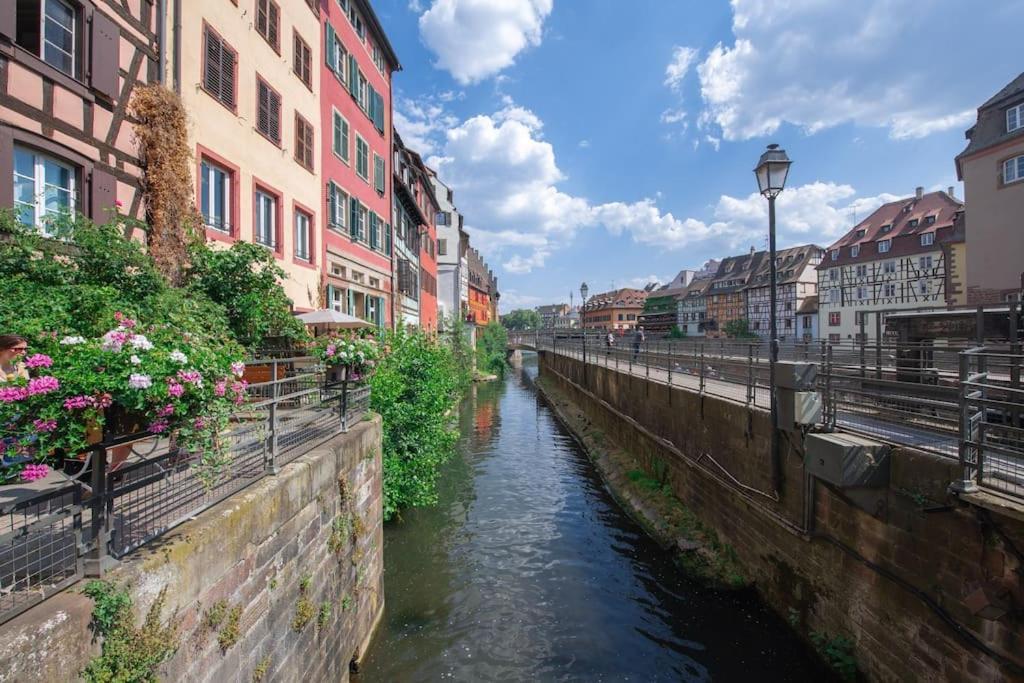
point(950, 192)
point(920, 192)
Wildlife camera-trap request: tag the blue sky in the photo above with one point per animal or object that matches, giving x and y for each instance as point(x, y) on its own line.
point(613, 142)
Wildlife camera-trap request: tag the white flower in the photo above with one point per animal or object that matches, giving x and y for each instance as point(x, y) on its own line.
point(140, 381)
point(135, 360)
point(178, 357)
point(139, 342)
point(72, 341)
point(238, 368)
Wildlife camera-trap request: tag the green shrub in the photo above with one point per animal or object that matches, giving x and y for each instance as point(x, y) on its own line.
point(491, 345)
point(415, 385)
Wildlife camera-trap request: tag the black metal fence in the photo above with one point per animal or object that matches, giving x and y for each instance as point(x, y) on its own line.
point(51, 538)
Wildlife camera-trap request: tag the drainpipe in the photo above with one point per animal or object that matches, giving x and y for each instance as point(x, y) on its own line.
point(177, 46)
point(161, 19)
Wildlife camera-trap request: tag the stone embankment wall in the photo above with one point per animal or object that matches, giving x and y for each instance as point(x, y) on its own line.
point(298, 557)
point(894, 580)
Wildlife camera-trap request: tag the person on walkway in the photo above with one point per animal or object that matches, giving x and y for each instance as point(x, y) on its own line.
point(12, 348)
point(638, 340)
point(609, 342)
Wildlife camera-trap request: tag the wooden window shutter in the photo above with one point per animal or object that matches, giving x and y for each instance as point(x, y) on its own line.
point(275, 115)
point(344, 141)
point(353, 224)
point(104, 58)
point(261, 17)
point(263, 108)
point(387, 239)
point(227, 76)
point(330, 297)
point(274, 24)
point(378, 118)
point(353, 76)
point(373, 230)
point(329, 48)
point(371, 104)
point(102, 195)
point(332, 204)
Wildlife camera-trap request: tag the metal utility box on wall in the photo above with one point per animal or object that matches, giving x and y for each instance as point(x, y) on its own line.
point(796, 376)
point(846, 460)
point(798, 409)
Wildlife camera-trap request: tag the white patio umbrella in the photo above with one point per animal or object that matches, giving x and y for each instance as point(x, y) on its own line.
point(332, 319)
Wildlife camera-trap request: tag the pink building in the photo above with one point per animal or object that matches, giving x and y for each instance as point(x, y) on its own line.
point(69, 68)
point(355, 117)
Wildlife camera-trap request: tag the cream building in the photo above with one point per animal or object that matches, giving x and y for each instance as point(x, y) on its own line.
point(248, 74)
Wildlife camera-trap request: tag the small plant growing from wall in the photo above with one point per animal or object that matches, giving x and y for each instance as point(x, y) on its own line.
point(129, 652)
point(261, 670)
point(304, 608)
point(323, 616)
point(837, 651)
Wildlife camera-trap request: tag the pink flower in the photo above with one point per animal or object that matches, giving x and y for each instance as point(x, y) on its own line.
point(220, 388)
point(331, 348)
point(118, 203)
point(44, 425)
point(42, 385)
point(34, 471)
point(103, 401)
point(12, 394)
point(191, 377)
point(38, 360)
point(165, 411)
point(238, 368)
point(157, 426)
point(115, 339)
point(174, 389)
point(239, 387)
point(77, 402)
point(199, 423)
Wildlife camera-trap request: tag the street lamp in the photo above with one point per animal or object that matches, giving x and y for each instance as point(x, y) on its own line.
point(583, 296)
point(772, 169)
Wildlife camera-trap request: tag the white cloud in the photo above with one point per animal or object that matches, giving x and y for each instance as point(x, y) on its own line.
point(421, 122)
point(682, 59)
point(507, 182)
point(583, 144)
point(644, 280)
point(475, 39)
point(415, 6)
point(876, 63)
point(673, 116)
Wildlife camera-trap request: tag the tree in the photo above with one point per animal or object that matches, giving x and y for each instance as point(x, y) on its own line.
point(522, 319)
point(738, 329)
point(676, 333)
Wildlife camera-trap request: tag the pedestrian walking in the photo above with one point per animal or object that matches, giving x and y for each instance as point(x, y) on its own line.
point(609, 342)
point(638, 340)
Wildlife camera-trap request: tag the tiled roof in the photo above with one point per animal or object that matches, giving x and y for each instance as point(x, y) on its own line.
point(619, 298)
point(792, 262)
point(990, 128)
point(736, 269)
point(902, 221)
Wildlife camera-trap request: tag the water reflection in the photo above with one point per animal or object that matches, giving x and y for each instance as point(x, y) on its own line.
point(527, 570)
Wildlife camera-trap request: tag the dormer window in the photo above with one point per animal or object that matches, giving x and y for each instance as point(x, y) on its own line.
point(912, 223)
point(835, 254)
point(861, 232)
point(855, 251)
point(1015, 118)
point(886, 228)
point(929, 220)
point(884, 246)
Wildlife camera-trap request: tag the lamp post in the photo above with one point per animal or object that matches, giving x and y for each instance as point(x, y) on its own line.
point(583, 323)
point(772, 169)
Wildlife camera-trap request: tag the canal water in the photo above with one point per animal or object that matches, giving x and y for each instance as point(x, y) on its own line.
point(527, 570)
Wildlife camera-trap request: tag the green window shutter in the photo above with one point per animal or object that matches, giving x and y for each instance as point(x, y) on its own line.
point(353, 224)
point(380, 312)
point(366, 307)
point(353, 76)
point(330, 48)
point(330, 297)
point(351, 303)
point(371, 103)
point(387, 239)
point(332, 203)
point(344, 140)
point(373, 230)
point(378, 173)
point(336, 139)
point(378, 118)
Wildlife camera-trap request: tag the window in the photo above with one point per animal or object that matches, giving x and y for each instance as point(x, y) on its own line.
point(923, 287)
point(374, 222)
point(335, 54)
point(44, 188)
point(268, 22)
point(268, 111)
point(862, 293)
point(833, 274)
point(337, 206)
point(219, 63)
point(303, 142)
point(340, 143)
point(808, 322)
point(1013, 170)
point(442, 247)
point(835, 254)
point(886, 228)
point(912, 223)
point(834, 319)
point(861, 232)
point(929, 220)
point(924, 262)
point(862, 271)
point(1015, 118)
point(49, 29)
point(361, 91)
point(378, 173)
point(890, 289)
point(362, 158)
point(215, 196)
point(855, 251)
point(303, 223)
point(927, 239)
point(443, 218)
point(265, 219)
point(302, 61)
point(884, 246)
point(889, 267)
point(834, 338)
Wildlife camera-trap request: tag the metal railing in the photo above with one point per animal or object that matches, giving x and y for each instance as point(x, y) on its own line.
point(51, 538)
point(903, 393)
point(992, 420)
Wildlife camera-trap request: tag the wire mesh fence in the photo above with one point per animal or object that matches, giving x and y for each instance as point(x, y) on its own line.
point(50, 538)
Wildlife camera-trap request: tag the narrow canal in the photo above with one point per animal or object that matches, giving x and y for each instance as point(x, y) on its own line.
point(527, 570)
